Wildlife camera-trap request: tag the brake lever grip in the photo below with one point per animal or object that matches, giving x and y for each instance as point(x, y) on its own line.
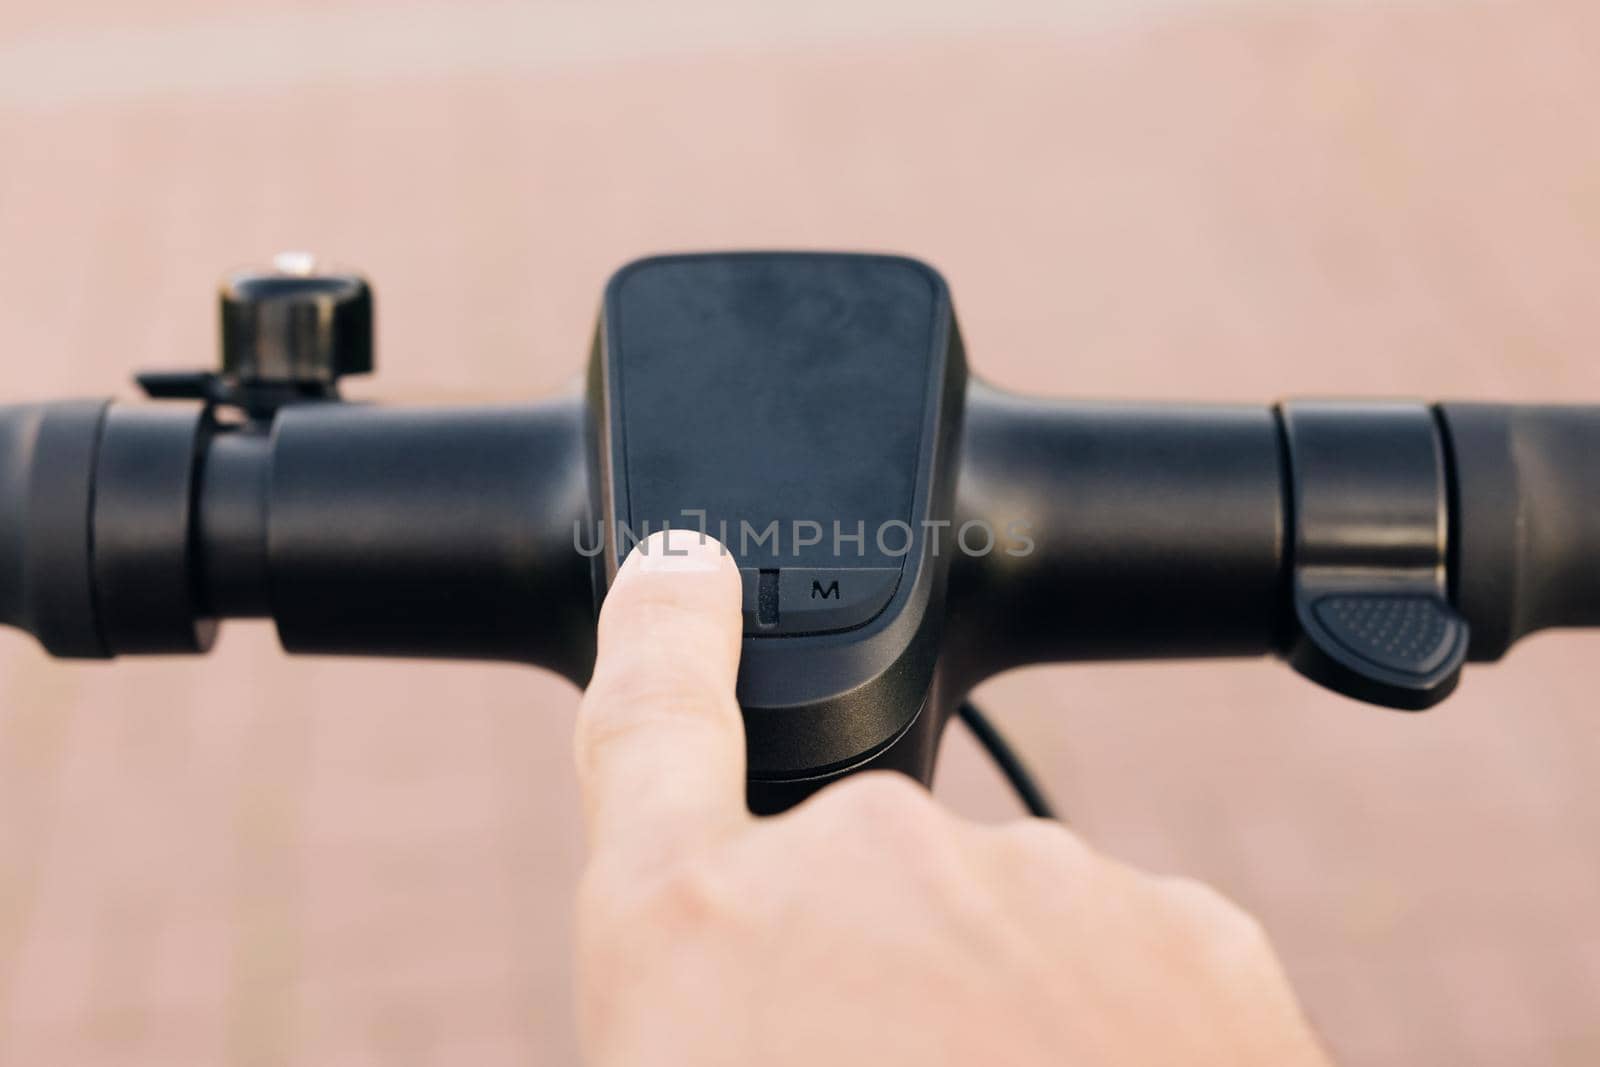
point(1369, 512)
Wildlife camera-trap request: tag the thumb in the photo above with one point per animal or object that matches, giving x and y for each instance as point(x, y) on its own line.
point(660, 739)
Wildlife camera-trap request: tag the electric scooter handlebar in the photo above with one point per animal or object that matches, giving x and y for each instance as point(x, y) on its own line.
point(1189, 531)
point(914, 530)
point(358, 529)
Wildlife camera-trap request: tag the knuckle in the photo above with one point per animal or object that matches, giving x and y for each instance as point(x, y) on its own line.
point(890, 819)
point(1199, 901)
point(1227, 929)
point(883, 799)
point(680, 901)
point(690, 898)
point(1043, 841)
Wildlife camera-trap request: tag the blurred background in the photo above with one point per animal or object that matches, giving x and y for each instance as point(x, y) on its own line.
point(252, 860)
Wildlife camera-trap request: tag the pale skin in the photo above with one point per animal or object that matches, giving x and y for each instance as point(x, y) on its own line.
point(869, 926)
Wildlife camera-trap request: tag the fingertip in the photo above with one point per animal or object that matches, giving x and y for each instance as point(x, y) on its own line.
point(679, 586)
point(679, 552)
point(660, 741)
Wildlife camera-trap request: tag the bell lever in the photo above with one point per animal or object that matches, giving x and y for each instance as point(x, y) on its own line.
point(288, 334)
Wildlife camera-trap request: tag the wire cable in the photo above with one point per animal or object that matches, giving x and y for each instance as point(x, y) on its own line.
point(1005, 757)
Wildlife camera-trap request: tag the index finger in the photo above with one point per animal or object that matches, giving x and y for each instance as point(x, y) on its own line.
point(660, 739)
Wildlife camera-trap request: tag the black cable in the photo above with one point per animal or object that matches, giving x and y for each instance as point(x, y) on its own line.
point(1005, 757)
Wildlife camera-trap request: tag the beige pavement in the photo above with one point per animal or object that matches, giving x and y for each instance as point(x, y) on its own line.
point(257, 861)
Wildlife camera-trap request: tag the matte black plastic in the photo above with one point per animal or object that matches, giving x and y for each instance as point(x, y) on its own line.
point(235, 478)
point(293, 329)
point(428, 532)
point(802, 390)
point(1365, 542)
point(1526, 534)
point(1137, 531)
point(47, 461)
point(144, 567)
point(774, 392)
point(1371, 515)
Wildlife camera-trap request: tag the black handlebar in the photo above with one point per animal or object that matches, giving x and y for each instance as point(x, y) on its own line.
point(422, 532)
point(1173, 530)
point(1160, 532)
point(1156, 531)
point(1525, 534)
point(358, 530)
point(1373, 545)
point(47, 585)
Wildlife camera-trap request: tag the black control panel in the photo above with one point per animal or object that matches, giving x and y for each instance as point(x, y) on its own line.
point(801, 408)
point(778, 402)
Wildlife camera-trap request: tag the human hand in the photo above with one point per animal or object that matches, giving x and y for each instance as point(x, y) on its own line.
point(867, 926)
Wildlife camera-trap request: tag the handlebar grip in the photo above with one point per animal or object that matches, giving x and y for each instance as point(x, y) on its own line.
point(416, 532)
point(47, 461)
point(1526, 529)
point(1174, 530)
point(1157, 531)
point(378, 531)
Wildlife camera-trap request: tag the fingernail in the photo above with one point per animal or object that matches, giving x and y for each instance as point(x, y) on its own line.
point(679, 551)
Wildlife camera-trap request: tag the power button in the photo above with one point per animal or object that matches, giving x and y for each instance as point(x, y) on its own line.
point(809, 600)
